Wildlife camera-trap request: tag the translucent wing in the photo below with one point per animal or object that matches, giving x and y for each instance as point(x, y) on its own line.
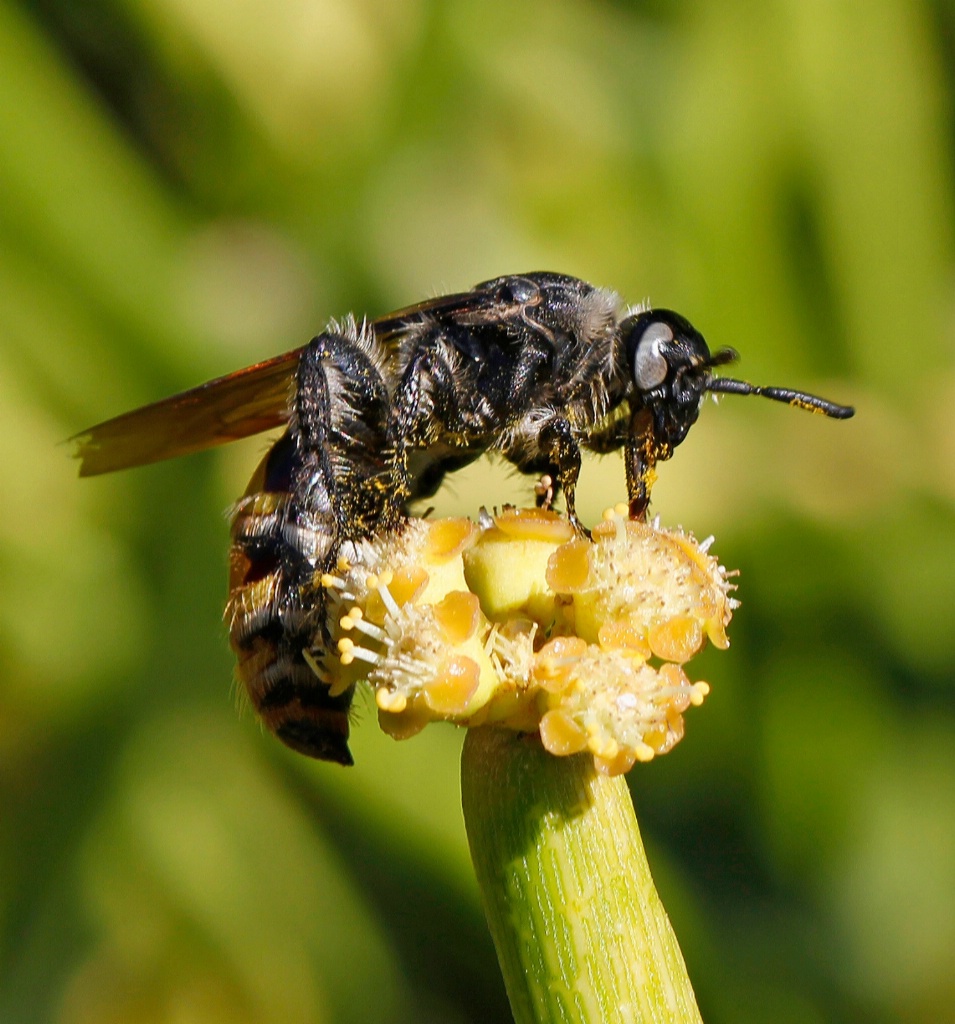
point(238, 405)
point(228, 408)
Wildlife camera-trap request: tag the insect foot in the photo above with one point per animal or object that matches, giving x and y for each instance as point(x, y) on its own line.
point(521, 623)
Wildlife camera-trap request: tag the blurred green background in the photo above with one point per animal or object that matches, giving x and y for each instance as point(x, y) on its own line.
point(187, 186)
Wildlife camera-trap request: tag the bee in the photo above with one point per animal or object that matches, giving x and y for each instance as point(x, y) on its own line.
point(535, 367)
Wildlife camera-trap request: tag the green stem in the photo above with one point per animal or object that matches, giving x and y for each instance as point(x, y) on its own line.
point(580, 932)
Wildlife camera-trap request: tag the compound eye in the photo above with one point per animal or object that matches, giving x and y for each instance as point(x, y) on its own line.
point(650, 367)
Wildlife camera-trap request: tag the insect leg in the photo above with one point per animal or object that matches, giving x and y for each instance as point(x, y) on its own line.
point(559, 448)
point(322, 484)
point(432, 428)
point(643, 452)
point(609, 437)
point(340, 426)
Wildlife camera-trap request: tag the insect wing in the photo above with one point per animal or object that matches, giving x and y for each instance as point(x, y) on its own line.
point(228, 408)
point(393, 325)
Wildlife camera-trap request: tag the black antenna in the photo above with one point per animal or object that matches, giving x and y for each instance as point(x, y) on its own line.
point(799, 399)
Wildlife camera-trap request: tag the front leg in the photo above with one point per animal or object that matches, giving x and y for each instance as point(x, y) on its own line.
point(642, 454)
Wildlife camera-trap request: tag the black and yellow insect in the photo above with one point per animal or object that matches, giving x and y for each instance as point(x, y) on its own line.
point(535, 367)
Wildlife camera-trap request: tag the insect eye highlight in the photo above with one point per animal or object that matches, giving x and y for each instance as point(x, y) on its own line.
point(650, 366)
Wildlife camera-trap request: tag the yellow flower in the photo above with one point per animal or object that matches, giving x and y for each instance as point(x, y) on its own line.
point(519, 622)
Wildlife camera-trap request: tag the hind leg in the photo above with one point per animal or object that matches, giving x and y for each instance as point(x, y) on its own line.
point(339, 426)
point(323, 483)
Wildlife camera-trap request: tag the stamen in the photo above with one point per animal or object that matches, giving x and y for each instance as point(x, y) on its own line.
point(381, 585)
point(361, 653)
point(368, 628)
point(620, 524)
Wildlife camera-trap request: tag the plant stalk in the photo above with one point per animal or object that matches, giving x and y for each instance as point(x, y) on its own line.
point(580, 932)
